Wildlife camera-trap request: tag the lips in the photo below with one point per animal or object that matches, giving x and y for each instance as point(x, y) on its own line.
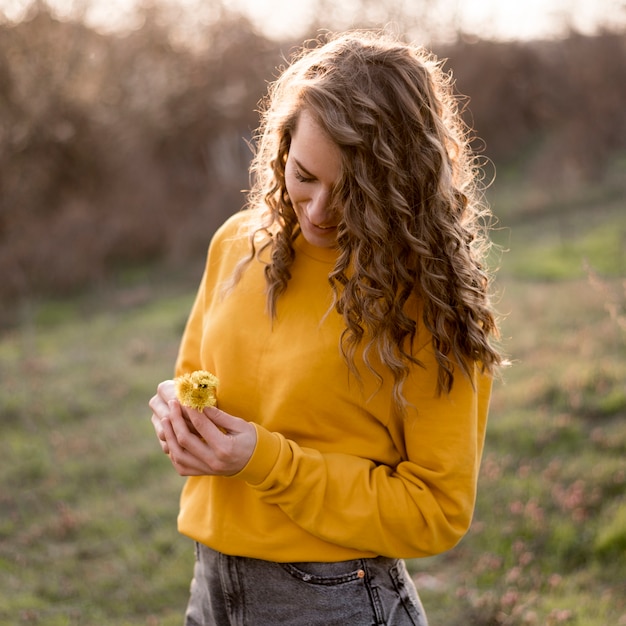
point(318, 235)
point(319, 226)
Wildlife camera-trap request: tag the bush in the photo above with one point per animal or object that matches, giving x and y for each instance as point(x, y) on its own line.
point(124, 149)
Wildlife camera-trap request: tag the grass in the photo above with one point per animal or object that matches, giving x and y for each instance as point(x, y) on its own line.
point(557, 234)
point(88, 502)
point(548, 541)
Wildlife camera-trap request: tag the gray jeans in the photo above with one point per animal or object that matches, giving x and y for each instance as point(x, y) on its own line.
point(238, 591)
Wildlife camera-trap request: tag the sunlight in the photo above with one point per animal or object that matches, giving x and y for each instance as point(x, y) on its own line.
point(534, 19)
point(487, 19)
point(491, 19)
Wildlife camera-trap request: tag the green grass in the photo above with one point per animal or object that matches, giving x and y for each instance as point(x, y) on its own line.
point(548, 542)
point(88, 502)
point(554, 255)
point(557, 234)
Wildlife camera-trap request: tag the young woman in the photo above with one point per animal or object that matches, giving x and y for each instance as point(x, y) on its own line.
point(346, 315)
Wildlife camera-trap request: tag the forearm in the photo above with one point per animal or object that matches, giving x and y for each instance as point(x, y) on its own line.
point(406, 511)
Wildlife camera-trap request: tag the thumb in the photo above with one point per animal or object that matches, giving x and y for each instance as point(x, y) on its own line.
point(224, 421)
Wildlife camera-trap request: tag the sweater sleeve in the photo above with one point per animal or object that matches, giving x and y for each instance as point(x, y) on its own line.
point(218, 268)
point(188, 359)
point(420, 507)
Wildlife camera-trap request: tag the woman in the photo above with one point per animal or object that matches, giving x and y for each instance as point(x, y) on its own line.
point(346, 315)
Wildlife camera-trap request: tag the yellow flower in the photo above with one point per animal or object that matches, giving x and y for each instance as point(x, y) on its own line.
point(197, 389)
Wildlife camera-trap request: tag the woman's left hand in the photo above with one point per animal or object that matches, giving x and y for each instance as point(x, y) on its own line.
point(209, 442)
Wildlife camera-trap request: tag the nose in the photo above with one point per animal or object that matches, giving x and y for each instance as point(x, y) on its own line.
point(320, 208)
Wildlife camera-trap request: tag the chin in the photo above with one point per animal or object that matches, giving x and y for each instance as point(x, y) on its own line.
point(326, 240)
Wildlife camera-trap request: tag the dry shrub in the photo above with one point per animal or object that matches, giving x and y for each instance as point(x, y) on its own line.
point(126, 149)
point(118, 149)
point(552, 107)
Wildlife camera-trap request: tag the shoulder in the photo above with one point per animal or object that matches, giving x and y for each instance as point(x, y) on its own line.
point(231, 246)
point(237, 226)
point(233, 236)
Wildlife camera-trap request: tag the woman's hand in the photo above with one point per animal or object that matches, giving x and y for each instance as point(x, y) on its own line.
point(199, 443)
point(159, 403)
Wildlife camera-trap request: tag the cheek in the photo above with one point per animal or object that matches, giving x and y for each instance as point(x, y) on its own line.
point(291, 187)
point(295, 193)
point(292, 198)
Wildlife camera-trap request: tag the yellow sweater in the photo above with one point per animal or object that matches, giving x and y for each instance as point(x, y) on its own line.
point(334, 475)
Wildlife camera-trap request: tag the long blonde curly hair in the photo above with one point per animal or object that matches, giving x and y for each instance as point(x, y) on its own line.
point(413, 222)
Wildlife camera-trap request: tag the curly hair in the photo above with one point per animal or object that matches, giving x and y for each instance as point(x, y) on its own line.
point(413, 222)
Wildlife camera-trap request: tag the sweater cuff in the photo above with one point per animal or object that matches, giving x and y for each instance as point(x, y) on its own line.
point(263, 458)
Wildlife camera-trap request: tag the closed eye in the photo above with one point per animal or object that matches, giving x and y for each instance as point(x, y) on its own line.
point(301, 174)
point(301, 178)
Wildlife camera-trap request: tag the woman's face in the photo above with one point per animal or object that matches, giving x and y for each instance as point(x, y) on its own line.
point(312, 170)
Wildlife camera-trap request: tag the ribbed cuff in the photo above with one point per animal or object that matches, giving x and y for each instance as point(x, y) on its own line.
point(263, 458)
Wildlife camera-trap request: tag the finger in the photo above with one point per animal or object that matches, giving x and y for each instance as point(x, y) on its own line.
point(158, 427)
point(231, 439)
point(185, 411)
point(185, 433)
point(158, 405)
point(208, 429)
point(210, 452)
point(185, 462)
point(225, 423)
point(167, 390)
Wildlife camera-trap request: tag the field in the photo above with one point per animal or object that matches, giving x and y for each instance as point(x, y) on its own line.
point(88, 502)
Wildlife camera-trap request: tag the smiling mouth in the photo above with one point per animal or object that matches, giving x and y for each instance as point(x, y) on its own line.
point(319, 227)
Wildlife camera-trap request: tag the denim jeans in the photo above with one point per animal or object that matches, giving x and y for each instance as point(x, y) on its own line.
point(238, 591)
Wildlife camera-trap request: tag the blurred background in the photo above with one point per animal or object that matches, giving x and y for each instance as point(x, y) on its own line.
point(124, 126)
point(124, 130)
